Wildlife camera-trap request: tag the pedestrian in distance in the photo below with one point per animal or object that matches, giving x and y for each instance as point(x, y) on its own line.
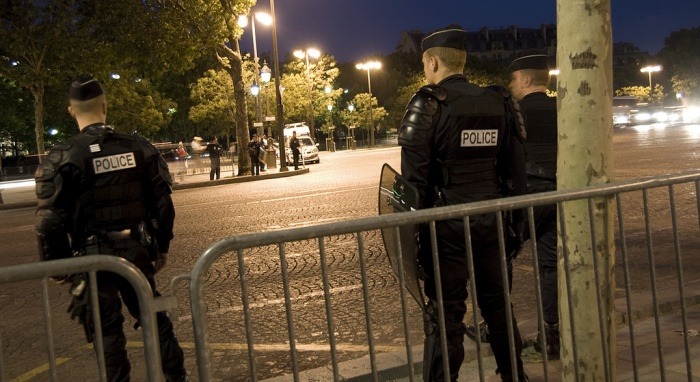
point(254, 152)
point(461, 143)
point(214, 149)
point(294, 146)
point(529, 82)
point(101, 192)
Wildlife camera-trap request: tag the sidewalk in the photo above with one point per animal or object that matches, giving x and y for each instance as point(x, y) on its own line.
point(393, 366)
point(21, 194)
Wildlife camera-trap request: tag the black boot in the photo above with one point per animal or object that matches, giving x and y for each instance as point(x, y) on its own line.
point(521, 378)
point(470, 331)
point(551, 341)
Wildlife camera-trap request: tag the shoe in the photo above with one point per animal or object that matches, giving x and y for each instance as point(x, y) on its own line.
point(470, 331)
point(551, 341)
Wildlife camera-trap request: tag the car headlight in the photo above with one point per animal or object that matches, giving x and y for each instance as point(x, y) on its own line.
point(691, 114)
point(660, 116)
point(643, 117)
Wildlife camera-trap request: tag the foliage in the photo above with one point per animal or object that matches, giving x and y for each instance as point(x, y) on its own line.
point(213, 107)
point(366, 113)
point(681, 59)
point(642, 93)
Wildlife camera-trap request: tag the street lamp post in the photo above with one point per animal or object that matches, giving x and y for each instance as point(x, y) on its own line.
point(278, 91)
point(304, 54)
point(650, 69)
point(369, 65)
point(243, 21)
point(265, 76)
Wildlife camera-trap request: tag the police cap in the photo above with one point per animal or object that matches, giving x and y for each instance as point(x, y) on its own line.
point(451, 36)
point(85, 87)
point(535, 61)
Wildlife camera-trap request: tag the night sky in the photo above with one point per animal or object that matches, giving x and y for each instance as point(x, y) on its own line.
point(352, 30)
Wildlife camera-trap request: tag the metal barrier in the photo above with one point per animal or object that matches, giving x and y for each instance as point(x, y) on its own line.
point(354, 232)
point(91, 264)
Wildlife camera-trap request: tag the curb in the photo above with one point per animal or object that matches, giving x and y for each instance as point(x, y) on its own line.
point(184, 186)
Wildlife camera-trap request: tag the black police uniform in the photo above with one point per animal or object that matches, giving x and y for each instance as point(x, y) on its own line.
point(540, 115)
point(96, 193)
point(294, 146)
point(451, 137)
point(215, 150)
point(254, 152)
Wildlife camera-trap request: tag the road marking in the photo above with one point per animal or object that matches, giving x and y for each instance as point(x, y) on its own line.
point(282, 347)
point(315, 193)
point(39, 370)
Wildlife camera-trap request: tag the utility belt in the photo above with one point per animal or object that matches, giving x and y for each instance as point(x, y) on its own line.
point(108, 242)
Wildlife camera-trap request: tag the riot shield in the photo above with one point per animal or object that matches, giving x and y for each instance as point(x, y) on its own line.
point(396, 195)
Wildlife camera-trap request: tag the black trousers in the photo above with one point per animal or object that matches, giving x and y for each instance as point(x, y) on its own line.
point(254, 165)
point(295, 156)
point(215, 168)
point(112, 290)
point(490, 291)
point(546, 241)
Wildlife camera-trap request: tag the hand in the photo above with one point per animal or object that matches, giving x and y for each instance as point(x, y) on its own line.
point(160, 262)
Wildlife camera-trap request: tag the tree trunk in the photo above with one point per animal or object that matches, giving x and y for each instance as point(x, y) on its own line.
point(235, 70)
point(584, 96)
point(38, 93)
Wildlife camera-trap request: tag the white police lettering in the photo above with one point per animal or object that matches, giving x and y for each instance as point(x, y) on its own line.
point(114, 163)
point(478, 138)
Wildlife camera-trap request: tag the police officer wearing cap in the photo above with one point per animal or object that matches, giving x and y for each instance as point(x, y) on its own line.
point(458, 144)
point(101, 192)
point(528, 82)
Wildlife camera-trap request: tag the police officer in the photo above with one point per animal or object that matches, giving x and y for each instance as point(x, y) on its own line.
point(101, 192)
point(528, 83)
point(451, 137)
point(214, 149)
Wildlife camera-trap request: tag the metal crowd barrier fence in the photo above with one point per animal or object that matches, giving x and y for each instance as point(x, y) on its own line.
point(91, 264)
point(359, 229)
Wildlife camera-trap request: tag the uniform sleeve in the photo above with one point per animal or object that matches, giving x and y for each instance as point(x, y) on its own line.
point(55, 189)
point(415, 136)
point(513, 159)
point(159, 203)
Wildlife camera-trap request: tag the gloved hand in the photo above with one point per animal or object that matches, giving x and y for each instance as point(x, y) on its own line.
point(79, 303)
point(160, 262)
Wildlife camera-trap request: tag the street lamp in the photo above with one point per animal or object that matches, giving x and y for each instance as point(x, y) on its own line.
point(278, 91)
point(265, 19)
point(369, 65)
point(265, 76)
point(305, 54)
point(650, 69)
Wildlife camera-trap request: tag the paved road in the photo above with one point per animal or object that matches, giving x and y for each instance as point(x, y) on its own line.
point(341, 187)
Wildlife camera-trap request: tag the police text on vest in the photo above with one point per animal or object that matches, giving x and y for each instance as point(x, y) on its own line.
point(477, 138)
point(114, 163)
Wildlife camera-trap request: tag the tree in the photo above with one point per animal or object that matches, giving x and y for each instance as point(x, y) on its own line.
point(681, 59)
point(584, 51)
point(213, 106)
point(44, 44)
point(366, 113)
point(642, 92)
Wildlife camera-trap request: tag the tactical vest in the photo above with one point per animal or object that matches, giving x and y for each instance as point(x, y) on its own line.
point(112, 196)
point(469, 135)
point(540, 116)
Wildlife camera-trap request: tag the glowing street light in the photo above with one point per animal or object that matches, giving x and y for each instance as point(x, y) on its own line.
point(650, 69)
point(265, 19)
point(369, 65)
point(265, 76)
point(304, 55)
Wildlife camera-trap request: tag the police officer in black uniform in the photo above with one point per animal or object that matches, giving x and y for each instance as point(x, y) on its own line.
point(101, 192)
point(529, 81)
point(457, 140)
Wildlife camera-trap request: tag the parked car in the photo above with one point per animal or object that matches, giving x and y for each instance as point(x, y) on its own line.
point(308, 149)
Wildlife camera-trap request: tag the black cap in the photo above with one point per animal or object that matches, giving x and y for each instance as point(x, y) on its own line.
point(85, 87)
point(451, 36)
point(535, 61)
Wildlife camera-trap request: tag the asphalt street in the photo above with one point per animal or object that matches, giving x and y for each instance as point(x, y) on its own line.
point(343, 186)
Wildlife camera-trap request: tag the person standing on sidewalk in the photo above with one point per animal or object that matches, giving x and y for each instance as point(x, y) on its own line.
point(215, 150)
point(101, 192)
point(452, 136)
point(294, 146)
point(254, 152)
point(529, 82)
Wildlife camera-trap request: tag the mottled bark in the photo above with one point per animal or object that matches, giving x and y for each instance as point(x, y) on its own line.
point(584, 96)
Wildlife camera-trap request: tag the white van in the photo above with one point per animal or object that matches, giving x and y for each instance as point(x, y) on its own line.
point(308, 148)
